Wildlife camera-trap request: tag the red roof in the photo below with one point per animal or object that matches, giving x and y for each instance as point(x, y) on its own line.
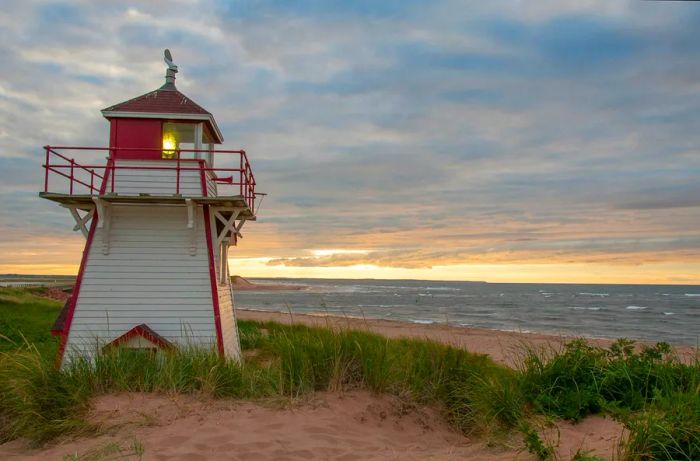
point(160, 101)
point(166, 100)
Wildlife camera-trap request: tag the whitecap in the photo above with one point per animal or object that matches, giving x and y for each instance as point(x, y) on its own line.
point(584, 308)
point(422, 322)
point(692, 294)
point(669, 313)
point(635, 308)
point(514, 330)
point(380, 305)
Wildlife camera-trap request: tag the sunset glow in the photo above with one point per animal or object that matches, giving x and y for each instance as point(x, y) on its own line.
point(504, 142)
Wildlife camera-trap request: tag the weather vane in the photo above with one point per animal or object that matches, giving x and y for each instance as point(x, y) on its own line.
point(172, 70)
point(169, 60)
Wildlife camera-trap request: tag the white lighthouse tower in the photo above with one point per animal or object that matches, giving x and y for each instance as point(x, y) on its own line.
point(159, 217)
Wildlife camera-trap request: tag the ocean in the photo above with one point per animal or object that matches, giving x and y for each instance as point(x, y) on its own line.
point(668, 313)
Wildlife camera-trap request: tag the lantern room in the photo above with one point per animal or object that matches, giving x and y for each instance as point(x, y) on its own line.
point(157, 124)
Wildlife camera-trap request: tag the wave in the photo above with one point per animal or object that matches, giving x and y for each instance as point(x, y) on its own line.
point(422, 322)
point(514, 330)
point(381, 305)
point(693, 294)
point(669, 313)
point(584, 308)
point(594, 294)
point(636, 308)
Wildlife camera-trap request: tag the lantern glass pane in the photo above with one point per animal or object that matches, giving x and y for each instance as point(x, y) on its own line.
point(177, 135)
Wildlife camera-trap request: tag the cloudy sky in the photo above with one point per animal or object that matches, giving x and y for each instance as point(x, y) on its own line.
point(502, 140)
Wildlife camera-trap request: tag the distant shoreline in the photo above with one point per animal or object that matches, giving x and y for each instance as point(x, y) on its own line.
point(14, 277)
point(239, 283)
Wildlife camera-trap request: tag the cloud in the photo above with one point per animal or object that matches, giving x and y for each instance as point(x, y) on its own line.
point(424, 133)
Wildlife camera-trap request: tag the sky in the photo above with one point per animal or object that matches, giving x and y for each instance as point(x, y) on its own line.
point(505, 141)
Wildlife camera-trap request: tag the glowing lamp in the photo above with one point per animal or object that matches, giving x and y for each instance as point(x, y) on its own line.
point(169, 145)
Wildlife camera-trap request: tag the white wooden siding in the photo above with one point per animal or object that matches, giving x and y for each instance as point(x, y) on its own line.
point(232, 346)
point(159, 182)
point(229, 329)
point(149, 276)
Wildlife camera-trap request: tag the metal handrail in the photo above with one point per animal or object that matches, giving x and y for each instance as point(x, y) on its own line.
point(69, 167)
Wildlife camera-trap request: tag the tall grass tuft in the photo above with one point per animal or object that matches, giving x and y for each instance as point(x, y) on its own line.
point(36, 400)
point(40, 402)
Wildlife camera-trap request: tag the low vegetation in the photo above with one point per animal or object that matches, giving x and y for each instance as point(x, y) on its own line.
point(652, 393)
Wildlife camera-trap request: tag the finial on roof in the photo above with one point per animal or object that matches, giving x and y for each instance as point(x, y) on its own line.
point(170, 73)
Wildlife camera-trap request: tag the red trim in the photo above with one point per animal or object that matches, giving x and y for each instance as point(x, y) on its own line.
point(214, 283)
point(145, 332)
point(76, 291)
point(79, 280)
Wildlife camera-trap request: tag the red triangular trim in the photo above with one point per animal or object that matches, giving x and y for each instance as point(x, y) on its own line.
point(145, 332)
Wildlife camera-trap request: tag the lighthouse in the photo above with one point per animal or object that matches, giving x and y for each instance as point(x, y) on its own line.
point(159, 213)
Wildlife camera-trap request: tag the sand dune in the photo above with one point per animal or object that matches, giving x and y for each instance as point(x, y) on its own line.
point(350, 426)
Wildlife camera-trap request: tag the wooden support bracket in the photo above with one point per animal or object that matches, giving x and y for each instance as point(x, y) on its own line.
point(81, 222)
point(223, 269)
point(231, 229)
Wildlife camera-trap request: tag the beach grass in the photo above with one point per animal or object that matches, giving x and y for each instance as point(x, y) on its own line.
point(655, 395)
point(25, 316)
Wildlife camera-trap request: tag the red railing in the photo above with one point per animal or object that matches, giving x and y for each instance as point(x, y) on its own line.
point(100, 179)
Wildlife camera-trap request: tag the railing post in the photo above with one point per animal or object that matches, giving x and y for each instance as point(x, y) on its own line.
point(240, 173)
point(111, 175)
point(46, 167)
point(72, 163)
point(203, 178)
point(92, 181)
point(177, 173)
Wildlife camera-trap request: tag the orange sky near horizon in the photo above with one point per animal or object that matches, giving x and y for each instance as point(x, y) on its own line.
point(63, 259)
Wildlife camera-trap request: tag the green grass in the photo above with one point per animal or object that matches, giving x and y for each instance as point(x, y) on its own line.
point(651, 392)
point(25, 316)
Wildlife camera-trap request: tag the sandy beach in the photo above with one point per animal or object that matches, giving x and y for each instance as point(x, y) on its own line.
point(504, 347)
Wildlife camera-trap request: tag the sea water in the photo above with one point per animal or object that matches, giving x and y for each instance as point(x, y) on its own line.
point(648, 312)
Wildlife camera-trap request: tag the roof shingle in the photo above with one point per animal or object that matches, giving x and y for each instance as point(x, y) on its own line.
point(160, 101)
